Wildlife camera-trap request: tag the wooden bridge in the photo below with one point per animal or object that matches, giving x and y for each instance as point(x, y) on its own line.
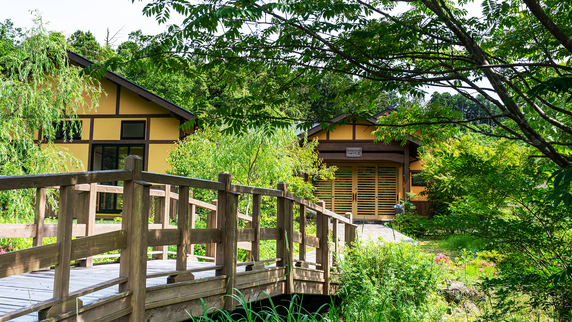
point(141, 289)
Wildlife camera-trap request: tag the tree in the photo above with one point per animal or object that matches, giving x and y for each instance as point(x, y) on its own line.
point(520, 48)
point(85, 44)
point(38, 88)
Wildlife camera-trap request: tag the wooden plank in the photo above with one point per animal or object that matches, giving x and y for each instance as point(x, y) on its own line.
point(256, 220)
point(256, 292)
point(259, 276)
point(181, 181)
point(210, 248)
point(372, 156)
point(98, 244)
point(106, 309)
point(160, 237)
point(64, 238)
point(335, 239)
point(39, 216)
point(226, 252)
point(202, 204)
point(302, 201)
point(281, 242)
point(245, 234)
point(163, 295)
point(164, 214)
point(312, 241)
point(336, 216)
point(269, 234)
point(29, 259)
point(289, 243)
point(303, 242)
point(308, 274)
point(304, 287)
point(51, 230)
point(244, 245)
point(324, 249)
point(62, 179)
point(192, 270)
point(133, 262)
point(297, 237)
point(17, 231)
point(349, 231)
point(256, 190)
point(90, 205)
point(184, 228)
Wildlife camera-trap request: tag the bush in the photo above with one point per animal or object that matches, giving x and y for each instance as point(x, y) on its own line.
point(409, 222)
point(390, 282)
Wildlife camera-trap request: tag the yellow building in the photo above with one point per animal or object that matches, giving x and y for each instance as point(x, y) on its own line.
point(372, 177)
point(130, 120)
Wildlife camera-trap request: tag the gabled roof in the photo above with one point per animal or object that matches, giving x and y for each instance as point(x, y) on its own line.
point(317, 128)
point(174, 108)
point(373, 120)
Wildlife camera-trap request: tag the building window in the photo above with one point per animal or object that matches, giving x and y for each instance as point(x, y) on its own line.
point(133, 130)
point(68, 130)
point(111, 157)
point(416, 180)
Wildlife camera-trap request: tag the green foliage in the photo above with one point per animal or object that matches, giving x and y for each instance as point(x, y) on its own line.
point(390, 282)
point(409, 222)
point(85, 44)
point(37, 89)
point(498, 194)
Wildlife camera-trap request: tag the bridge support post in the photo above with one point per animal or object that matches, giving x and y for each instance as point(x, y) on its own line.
point(227, 250)
point(135, 221)
point(39, 216)
point(323, 253)
point(285, 245)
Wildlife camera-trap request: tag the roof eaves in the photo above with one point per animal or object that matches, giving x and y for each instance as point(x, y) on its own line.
point(174, 108)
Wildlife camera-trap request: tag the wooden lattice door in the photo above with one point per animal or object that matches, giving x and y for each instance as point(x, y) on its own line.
point(366, 190)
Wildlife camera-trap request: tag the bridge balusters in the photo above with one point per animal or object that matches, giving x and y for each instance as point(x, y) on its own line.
point(210, 248)
point(184, 226)
point(350, 231)
point(87, 206)
point(255, 250)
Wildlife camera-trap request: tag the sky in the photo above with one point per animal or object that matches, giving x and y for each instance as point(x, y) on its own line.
point(67, 16)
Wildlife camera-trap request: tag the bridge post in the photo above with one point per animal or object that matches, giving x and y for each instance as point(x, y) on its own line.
point(285, 245)
point(227, 250)
point(135, 221)
point(87, 216)
point(323, 253)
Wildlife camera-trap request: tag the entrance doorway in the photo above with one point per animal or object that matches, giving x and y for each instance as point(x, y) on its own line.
point(367, 190)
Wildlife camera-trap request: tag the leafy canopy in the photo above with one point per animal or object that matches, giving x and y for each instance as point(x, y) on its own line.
point(519, 49)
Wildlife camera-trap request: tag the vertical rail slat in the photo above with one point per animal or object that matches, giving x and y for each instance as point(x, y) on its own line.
point(255, 254)
point(289, 243)
point(184, 227)
point(210, 248)
point(324, 250)
point(39, 216)
point(192, 217)
point(89, 205)
point(227, 251)
point(165, 212)
point(350, 231)
point(335, 239)
point(302, 249)
point(281, 241)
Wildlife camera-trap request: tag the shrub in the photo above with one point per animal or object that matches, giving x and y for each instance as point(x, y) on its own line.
point(390, 282)
point(409, 222)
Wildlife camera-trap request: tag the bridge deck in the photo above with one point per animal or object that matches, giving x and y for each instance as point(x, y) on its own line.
point(20, 290)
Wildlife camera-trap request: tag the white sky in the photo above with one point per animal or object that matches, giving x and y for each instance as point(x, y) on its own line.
point(67, 16)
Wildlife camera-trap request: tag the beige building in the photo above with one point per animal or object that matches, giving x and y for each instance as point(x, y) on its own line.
point(372, 177)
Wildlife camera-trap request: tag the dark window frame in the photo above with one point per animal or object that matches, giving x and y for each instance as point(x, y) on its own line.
point(118, 146)
point(59, 135)
point(414, 183)
point(134, 122)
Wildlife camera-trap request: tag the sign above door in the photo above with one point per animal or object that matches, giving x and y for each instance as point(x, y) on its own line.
point(354, 152)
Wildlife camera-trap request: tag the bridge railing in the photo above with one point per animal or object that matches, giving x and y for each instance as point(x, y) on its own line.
point(222, 237)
